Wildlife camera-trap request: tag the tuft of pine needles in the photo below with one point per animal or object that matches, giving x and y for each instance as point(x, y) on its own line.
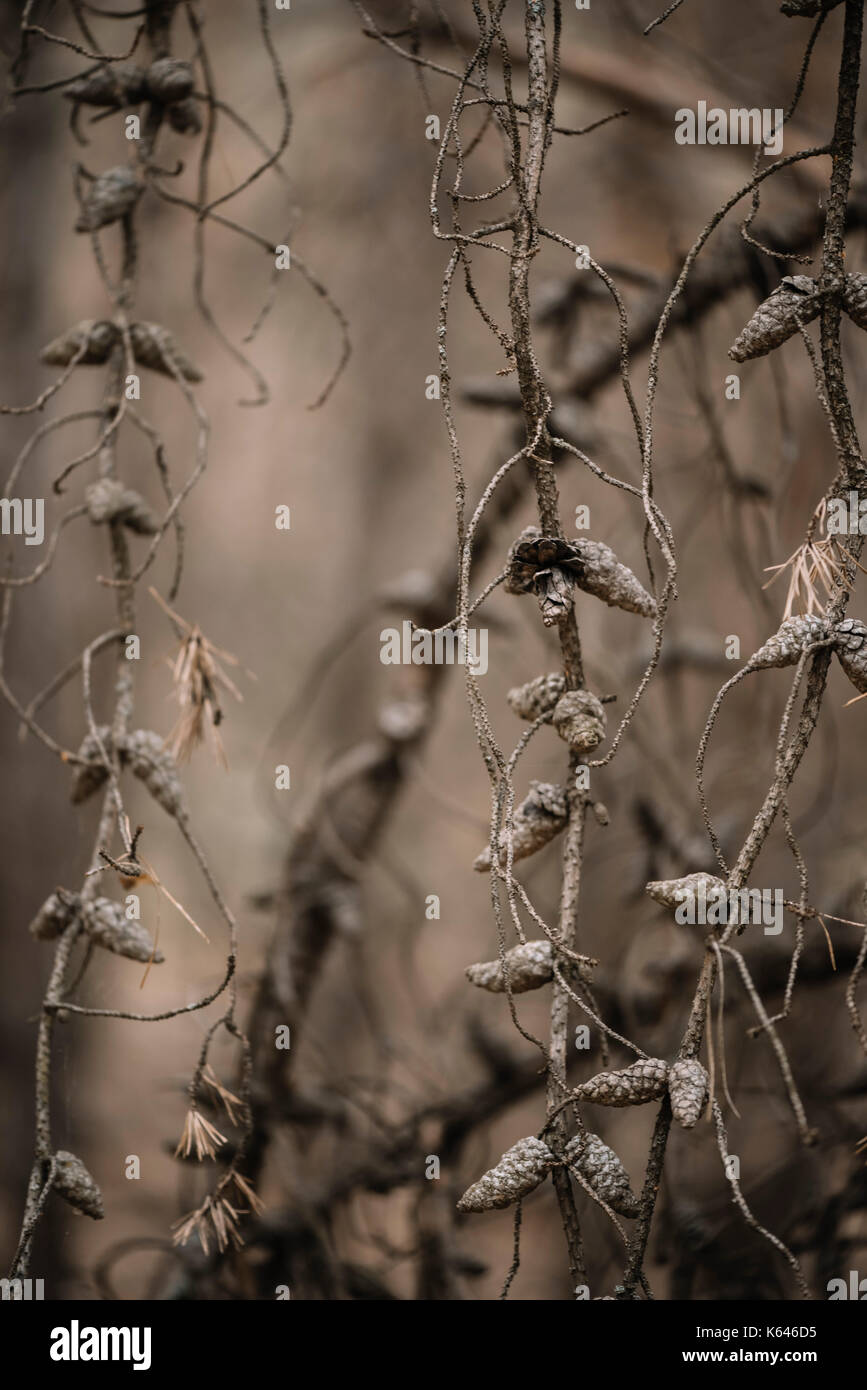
point(197, 679)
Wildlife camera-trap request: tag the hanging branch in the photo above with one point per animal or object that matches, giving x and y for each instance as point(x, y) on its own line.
point(163, 93)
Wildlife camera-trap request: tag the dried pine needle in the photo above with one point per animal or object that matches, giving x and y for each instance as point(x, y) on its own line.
point(197, 678)
point(229, 1099)
point(199, 1134)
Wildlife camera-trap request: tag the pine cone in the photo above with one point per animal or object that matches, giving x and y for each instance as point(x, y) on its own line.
point(74, 1183)
point(96, 336)
point(153, 346)
point(108, 925)
point(787, 645)
point(145, 754)
point(604, 1172)
point(672, 892)
point(169, 79)
point(851, 649)
point(855, 298)
point(109, 198)
point(542, 814)
point(688, 1088)
point(580, 720)
point(518, 1172)
point(108, 500)
point(120, 84)
point(55, 915)
point(530, 965)
point(603, 575)
point(533, 567)
point(549, 565)
point(537, 697)
point(635, 1085)
point(776, 319)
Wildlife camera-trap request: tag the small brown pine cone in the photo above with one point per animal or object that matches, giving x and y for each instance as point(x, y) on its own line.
point(580, 720)
point(96, 336)
point(776, 319)
point(169, 79)
point(599, 572)
point(118, 84)
point(148, 758)
point(88, 778)
point(55, 915)
point(550, 565)
point(787, 645)
point(533, 567)
point(542, 814)
point(530, 965)
point(537, 697)
point(108, 925)
point(518, 1172)
point(73, 1182)
point(851, 649)
point(108, 500)
point(184, 117)
point(855, 298)
point(153, 346)
point(636, 1085)
point(603, 1170)
point(109, 198)
point(672, 892)
point(688, 1087)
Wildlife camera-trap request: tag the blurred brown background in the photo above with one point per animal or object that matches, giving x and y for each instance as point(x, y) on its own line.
point(369, 484)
